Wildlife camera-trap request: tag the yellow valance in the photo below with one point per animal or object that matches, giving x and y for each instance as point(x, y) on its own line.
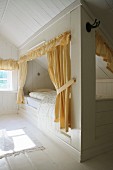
point(62, 40)
point(9, 64)
point(103, 50)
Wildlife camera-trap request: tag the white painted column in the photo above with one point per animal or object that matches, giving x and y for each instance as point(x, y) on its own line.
point(88, 86)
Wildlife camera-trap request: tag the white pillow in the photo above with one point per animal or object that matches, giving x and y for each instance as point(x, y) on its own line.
point(42, 90)
point(37, 95)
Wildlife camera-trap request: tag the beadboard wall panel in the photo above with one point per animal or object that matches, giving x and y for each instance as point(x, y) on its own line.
point(37, 77)
point(104, 118)
point(8, 50)
point(97, 131)
point(104, 88)
point(8, 102)
point(104, 123)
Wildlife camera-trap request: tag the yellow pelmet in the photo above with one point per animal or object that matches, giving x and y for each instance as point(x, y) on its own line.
point(62, 40)
point(103, 50)
point(8, 64)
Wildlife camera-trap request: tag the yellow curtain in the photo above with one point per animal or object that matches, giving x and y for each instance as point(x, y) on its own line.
point(62, 39)
point(58, 52)
point(103, 50)
point(8, 64)
point(59, 70)
point(21, 81)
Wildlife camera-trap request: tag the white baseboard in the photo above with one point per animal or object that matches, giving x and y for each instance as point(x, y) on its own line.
point(6, 112)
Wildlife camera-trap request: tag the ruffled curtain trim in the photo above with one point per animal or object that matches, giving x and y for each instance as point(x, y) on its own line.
point(8, 64)
point(103, 50)
point(62, 40)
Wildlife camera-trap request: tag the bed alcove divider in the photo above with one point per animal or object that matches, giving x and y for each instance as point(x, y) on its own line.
point(59, 68)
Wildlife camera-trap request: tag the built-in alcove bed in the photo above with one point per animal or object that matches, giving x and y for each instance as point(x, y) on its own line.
point(45, 104)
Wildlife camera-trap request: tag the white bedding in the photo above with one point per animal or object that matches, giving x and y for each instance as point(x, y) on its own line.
point(43, 102)
point(43, 95)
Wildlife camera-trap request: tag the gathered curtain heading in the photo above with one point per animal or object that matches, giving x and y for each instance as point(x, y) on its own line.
point(9, 64)
point(103, 50)
point(62, 40)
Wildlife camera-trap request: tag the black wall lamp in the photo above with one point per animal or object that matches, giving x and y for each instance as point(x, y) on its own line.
point(94, 25)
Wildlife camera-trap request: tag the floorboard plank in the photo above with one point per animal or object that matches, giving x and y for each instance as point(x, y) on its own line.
point(55, 156)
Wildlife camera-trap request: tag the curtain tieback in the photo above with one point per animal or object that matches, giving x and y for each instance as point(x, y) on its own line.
point(65, 86)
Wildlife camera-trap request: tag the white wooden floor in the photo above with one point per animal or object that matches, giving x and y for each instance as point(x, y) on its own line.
point(54, 157)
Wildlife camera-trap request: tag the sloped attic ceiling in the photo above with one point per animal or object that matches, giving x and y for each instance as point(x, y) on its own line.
point(20, 19)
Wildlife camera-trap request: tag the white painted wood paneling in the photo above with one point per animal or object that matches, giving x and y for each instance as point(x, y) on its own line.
point(3, 4)
point(7, 49)
point(33, 80)
point(104, 130)
point(67, 23)
point(88, 84)
point(97, 133)
point(104, 88)
point(104, 105)
point(8, 98)
point(45, 124)
point(103, 118)
point(24, 18)
point(8, 102)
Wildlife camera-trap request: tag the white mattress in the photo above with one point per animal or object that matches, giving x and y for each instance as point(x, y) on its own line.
point(35, 103)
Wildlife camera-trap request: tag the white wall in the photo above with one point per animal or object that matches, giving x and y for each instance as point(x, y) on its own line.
point(104, 87)
point(8, 102)
point(97, 116)
point(33, 80)
point(8, 98)
point(7, 49)
point(69, 22)
point(104, 78)
point(88, 85)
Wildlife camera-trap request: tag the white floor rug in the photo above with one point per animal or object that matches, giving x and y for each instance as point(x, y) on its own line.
point(17, 141)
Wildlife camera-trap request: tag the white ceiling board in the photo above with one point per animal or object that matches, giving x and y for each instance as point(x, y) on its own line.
point(66, 3)
point(110, 3)
point(3, 4)
point(23, 18)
